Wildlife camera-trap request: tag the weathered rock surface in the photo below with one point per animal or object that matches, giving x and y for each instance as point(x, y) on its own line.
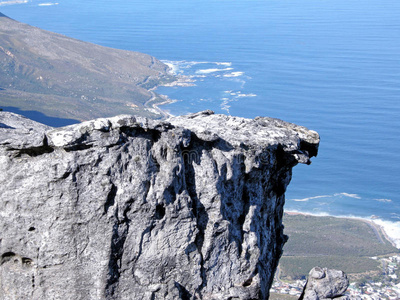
point(324, 284)
point(130, 208)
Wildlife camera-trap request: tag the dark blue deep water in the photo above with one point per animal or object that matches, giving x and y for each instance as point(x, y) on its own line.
point(330, 65)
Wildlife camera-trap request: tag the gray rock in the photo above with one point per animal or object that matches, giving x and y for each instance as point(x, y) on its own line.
point(324, 284)
point(130, 208)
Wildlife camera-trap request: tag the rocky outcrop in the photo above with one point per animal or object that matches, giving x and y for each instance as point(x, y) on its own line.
point(130, 208)
point(325, 284)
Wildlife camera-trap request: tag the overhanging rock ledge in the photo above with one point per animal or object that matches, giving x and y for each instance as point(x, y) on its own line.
point(131, 208)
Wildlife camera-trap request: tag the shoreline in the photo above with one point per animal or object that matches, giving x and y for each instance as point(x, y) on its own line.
point(180, 81)
point(379, 229)
point(154, 107)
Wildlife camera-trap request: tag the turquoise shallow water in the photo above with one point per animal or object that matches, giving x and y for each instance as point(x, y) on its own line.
point(333, 66)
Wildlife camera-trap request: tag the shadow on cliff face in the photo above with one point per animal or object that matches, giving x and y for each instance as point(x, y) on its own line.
point(243, 206)
point(242, 200)
point(198, 208)
point(40, 117)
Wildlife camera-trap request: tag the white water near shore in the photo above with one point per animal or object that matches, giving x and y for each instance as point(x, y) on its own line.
point(222, 76)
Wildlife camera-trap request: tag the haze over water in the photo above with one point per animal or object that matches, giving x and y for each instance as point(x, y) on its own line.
point(332, 66)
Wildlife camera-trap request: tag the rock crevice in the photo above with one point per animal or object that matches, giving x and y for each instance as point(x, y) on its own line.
point(130, 208)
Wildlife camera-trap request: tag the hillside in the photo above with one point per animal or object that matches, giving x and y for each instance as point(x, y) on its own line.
point(67, 78)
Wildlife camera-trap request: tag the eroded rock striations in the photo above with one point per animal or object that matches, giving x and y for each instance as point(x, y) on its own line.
point(130, 208)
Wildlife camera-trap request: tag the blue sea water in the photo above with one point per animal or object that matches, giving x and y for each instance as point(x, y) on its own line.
point(332, 66)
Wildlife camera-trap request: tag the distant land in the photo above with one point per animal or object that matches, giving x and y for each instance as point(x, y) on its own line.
point(358, 247)
point(62, 77)
point(339, 243)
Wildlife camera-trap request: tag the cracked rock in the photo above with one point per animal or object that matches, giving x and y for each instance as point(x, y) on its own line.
point(130, 208)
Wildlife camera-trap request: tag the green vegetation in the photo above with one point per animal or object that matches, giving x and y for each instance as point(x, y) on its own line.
point(338, 243)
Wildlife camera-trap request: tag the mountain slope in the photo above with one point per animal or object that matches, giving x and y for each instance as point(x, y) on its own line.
point(65, 77)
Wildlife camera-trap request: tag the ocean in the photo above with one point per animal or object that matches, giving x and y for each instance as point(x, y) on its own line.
point(332, 66)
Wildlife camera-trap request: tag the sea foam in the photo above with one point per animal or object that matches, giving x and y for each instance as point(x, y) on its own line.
point(392, 230)
point(208, 71)
point(47, 4)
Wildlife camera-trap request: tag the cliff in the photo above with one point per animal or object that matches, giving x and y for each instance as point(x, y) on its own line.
point(131, 208)
point(67, 78)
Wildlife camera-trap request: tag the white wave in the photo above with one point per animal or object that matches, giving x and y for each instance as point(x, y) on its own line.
point(172, 68)
point(247, 95)
point(208, 71)
point(228, 64)
point(310, 198)
point(225, 104)
point(193, 63)
point(384, 200)
point(234, 74)
point(395, 216)
point(175, 66)
point(188, 64)
point(239, 94)
point(392, 230)
point(47, 4)
point(355, 196)
point(11, 2)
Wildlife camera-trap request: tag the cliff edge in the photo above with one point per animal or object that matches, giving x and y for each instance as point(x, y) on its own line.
point(131, 208)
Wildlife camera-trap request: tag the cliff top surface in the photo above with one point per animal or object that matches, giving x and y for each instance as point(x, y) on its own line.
point(247, 134)
point(67, 78)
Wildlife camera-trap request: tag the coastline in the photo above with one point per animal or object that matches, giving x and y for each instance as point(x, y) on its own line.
point(180, 81)
point(154, 107)
point(380, 227)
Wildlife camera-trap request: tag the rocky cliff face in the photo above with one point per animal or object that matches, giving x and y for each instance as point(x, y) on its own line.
point(129, 208)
